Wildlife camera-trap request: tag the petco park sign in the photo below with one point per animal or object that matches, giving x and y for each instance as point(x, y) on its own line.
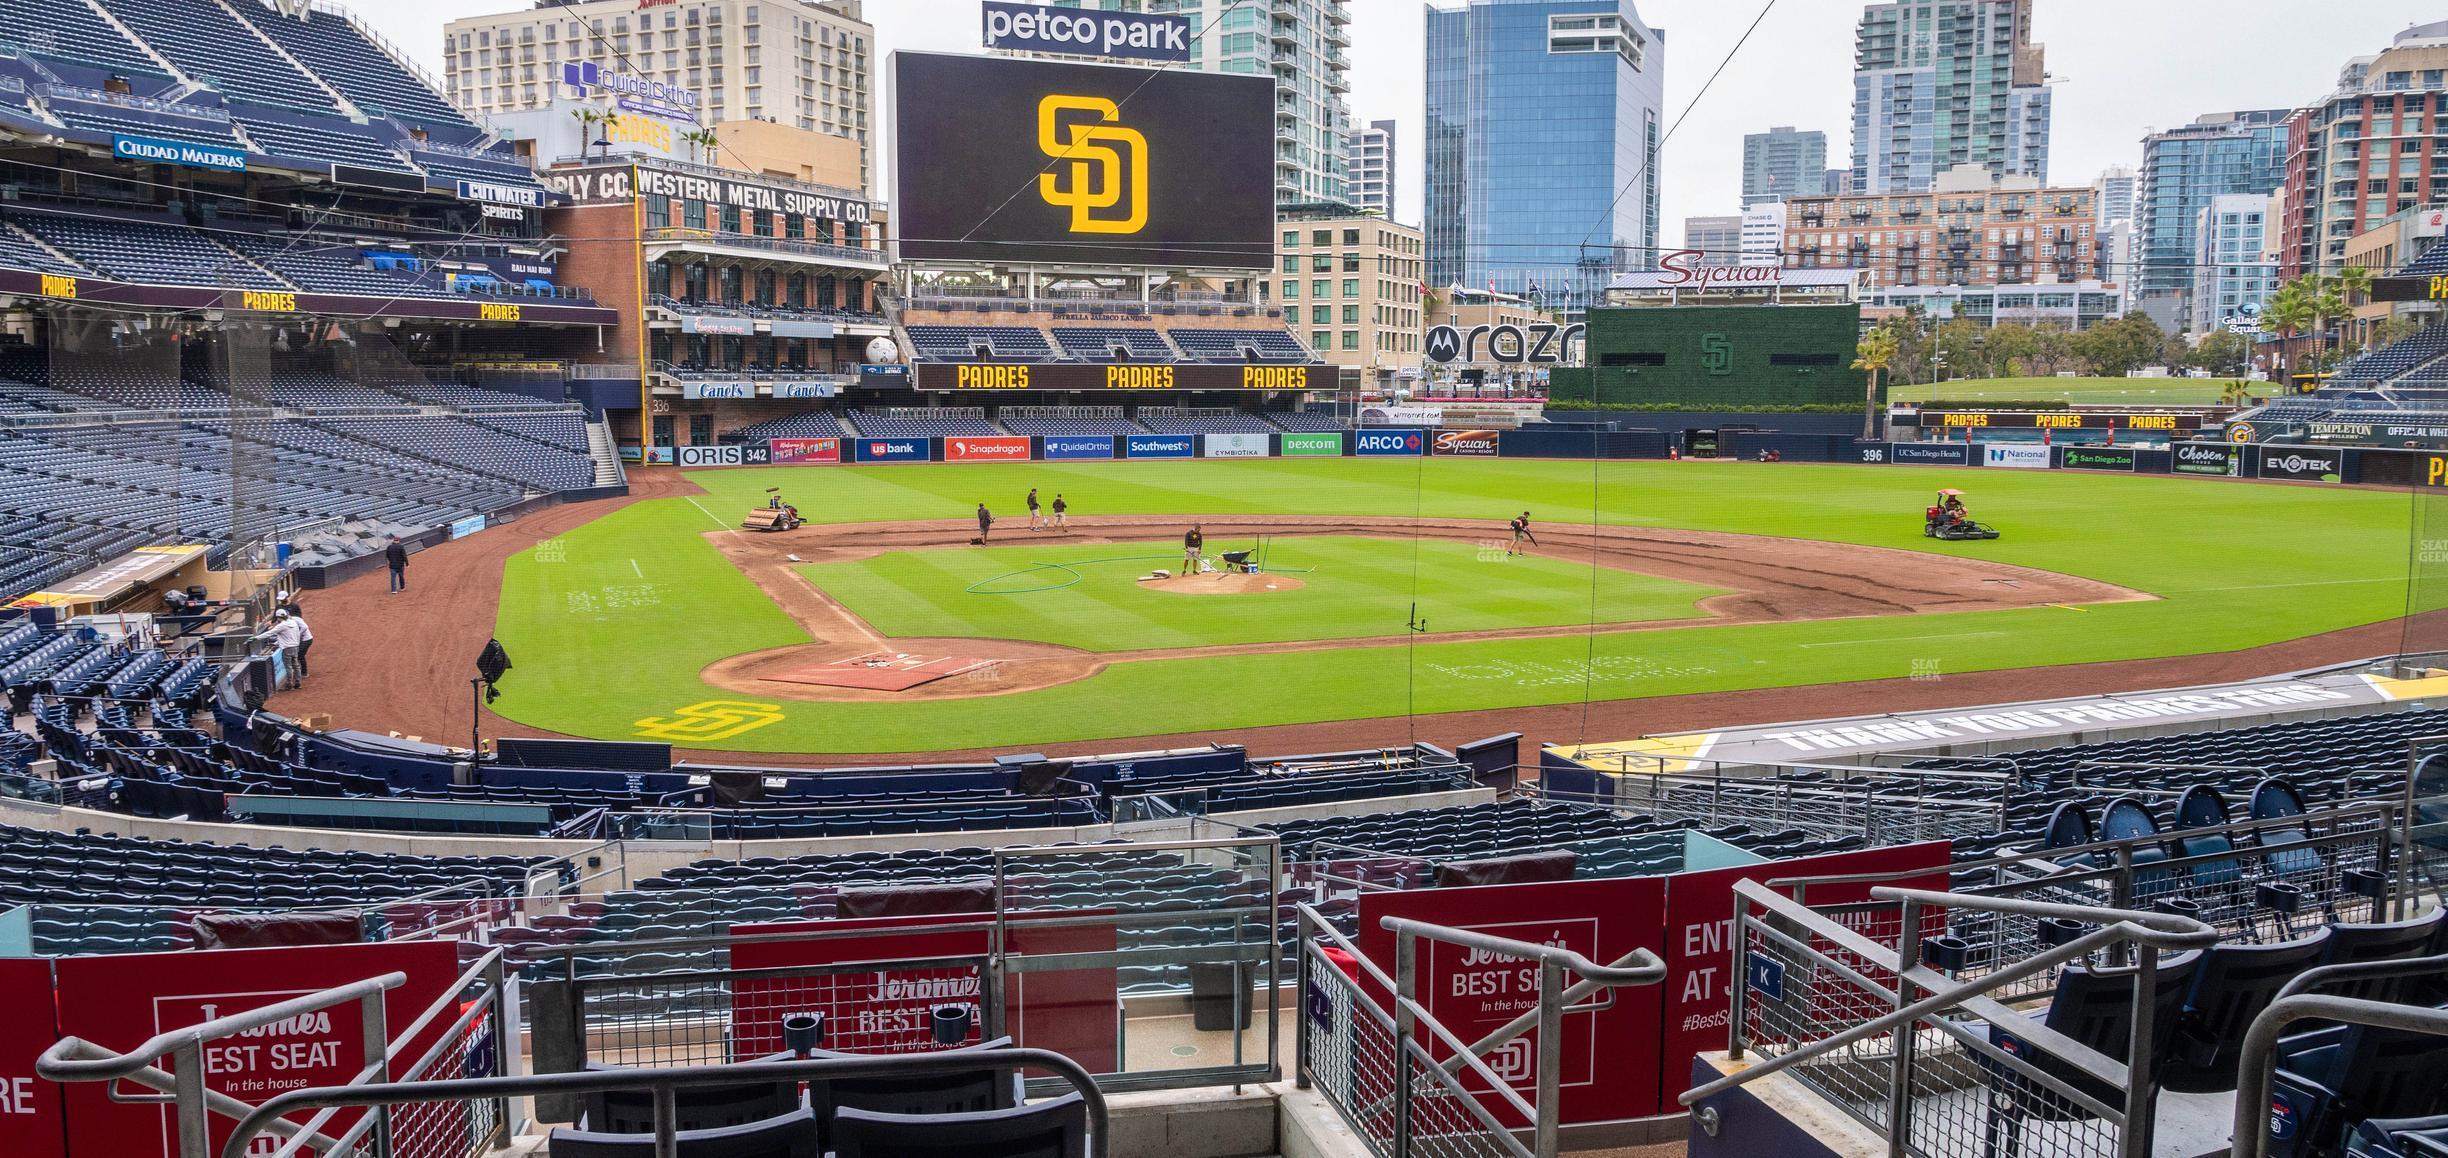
point(1123, 35)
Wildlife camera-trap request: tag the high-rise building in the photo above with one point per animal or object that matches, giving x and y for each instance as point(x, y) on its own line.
point(1836, 182)
point(1544, 118)
point(2233, 270)
point(1368, 152)
point(797, 62)
point(1357, 298)
point(1717, 238)
point(2374, 147)
point(1941, 83)
point(2182, 169)
point(1305, 45)
point(1763, 234)
point(2116, 194)
point(1782, 163)
point(1972, 230)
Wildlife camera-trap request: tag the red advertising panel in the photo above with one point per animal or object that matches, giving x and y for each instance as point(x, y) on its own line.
point(1699, 937)
point(1610, 1056)
point(1071, 1012)
point(1005, 449)
point(30, 1115)
point(1466, 443)
point(805, 450)
point(120, 1002)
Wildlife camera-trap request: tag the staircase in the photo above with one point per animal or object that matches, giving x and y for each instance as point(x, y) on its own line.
point(606, 455)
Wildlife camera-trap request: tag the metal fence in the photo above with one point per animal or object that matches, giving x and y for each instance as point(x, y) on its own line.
point(1404, 1083)
point(1883, 806)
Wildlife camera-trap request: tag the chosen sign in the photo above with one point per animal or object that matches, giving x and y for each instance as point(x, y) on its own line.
point(2217, 458)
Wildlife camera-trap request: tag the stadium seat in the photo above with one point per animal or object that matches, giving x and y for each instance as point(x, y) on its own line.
point(791, 1135)
point(2330, 1077)
point(2094, 1008)
point(1055, 1128)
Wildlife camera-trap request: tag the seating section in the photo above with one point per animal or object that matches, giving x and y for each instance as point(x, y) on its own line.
point(284, 135)
point(1307, 421)
point(1114, 344)
point(808, 424)
point(1085, 426)
point(1241, 345)
point(151, 252)
point(201, 126)
point(2417, 351)
point(330, 43)
point(947, 423)
point(2433, 263)
point(72, 31)
point(962, 343)
point(1205, 422)
point(201, 39)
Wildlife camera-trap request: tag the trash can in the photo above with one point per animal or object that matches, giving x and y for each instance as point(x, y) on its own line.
point(1213, 989)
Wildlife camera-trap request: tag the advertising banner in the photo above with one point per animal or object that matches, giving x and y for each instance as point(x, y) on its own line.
point(804, 450)
point(2096, 458)
point(1465, 443)
point(227, 158)
point(462, 528)
point(1072, 1011)
point(804, 389)
point(1698, 946)
point(2217, 458)
point(1235, 446)
point(693, 324)
point(1402, 415)
point(708, 456)
point(1116, 166)
point(1122, 35)
point(1388, 443)
point(2046, 419)
point(1929, 454)
point(1611, 1057)
point(1085, 376)
point(794, 328)
point(891, 449)
point(1006, 448)
point(2015, 455)
point(695, 389)
point(2302, 463)
point(1158, 445)
point(1312, 445)
point(1872, 453)
point(31, 1117)
point(122, 1001)
point(1059, 447)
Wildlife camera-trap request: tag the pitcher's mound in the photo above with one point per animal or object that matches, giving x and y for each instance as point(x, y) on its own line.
point(1223, 583)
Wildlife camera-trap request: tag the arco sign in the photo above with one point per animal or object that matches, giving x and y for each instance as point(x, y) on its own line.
point(1539, 343)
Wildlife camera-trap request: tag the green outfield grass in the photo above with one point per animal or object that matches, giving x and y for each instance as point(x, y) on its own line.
point(612, 622)
point(1088, 596)
point(2077, 391)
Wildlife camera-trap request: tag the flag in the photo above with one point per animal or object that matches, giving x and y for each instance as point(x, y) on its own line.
point(2044, 436)
point(2112, 432)
point(1534, 290)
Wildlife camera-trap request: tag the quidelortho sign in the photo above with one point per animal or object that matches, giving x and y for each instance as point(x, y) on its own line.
point(2096, 458)
point(2015, 455)
point(1312, 446)
point(2301, 463)
point(2208, 458)
point(1069, 32)
point(1077, 446)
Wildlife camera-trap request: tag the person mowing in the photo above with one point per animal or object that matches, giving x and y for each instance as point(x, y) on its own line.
point(1032, 506)
point(1521, 533)
point(1193, 544)
point(985, 523)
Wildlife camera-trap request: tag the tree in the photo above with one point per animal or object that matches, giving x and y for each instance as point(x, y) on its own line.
point(700, 140)
point(2051, 349)
point(2010, 349)
point(2222, 352)
point(589, 117)
point(1915, 347)
point(2354, 285)
point(1873, 352)
point(2328, 300)
point(1958, 346)
point(2115, 348)
point(2288, 313)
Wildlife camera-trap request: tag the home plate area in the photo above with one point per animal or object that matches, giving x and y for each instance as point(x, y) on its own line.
point(883, 671)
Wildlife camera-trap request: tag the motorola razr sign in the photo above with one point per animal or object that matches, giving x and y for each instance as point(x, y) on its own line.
point(1540, 343)
point(1070, 32)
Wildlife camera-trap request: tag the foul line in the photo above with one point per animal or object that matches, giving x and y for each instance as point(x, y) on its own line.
point(633, 565)
point(2275, 586)
point(692, 501)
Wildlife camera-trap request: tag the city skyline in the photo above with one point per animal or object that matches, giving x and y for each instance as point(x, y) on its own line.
point(2112, 88)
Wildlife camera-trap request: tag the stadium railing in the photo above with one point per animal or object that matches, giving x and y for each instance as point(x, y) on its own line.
point(2257, 1068)
point(1400, 1079)
point(1883, 806)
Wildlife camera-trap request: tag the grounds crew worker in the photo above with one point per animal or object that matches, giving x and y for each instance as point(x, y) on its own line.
point(1191, 544)
point(395, 557)
point(1032, 506)
point(1059, 508)
point(985, 522)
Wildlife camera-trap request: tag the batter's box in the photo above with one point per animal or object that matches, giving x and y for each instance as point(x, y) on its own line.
point(882, 671)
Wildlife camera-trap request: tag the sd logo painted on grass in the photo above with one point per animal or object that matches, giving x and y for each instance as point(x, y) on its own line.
point(711, 720)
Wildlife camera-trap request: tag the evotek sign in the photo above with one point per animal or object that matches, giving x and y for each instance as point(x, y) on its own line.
point(2302, 464)
point(229, 159)
point(1126, 36)
point(1543, 343)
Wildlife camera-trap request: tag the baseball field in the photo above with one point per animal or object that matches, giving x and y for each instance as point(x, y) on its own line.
point(1386, 590)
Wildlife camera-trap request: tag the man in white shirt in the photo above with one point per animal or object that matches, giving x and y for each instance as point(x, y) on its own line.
point(284, 635)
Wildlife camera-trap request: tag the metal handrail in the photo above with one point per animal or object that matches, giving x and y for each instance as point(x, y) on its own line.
point(1645, 968)
point(2257, 1065)
point(2158, 930)
point(664, 1082)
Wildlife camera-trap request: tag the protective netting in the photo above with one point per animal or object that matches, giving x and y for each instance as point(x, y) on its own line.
point(2425, 626)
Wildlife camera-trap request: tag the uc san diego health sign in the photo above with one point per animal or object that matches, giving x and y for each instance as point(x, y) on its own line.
point(186, 153)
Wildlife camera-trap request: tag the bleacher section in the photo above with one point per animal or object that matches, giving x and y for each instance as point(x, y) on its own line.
point(1082, 421)
point(151, 252)
point(965, 343)
point(367, 74)
point(1203, 422)
point(812, 424)
point(2417, 351)
point(73, 32)
point(1114, 344)
point(200, 39)
point(944, 423)
point(1017, 332)
point(1237, 346)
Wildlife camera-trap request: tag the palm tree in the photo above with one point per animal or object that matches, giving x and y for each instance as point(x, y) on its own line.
point(699, 140)
point(2354, 283)
point(589, 117)
point(1873, 352)
point(2328, 301)
point(2289, 313)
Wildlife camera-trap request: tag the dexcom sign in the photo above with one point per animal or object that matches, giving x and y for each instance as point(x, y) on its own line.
point(1388, 443)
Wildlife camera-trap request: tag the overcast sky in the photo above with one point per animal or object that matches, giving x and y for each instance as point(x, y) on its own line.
point(2124, 67)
